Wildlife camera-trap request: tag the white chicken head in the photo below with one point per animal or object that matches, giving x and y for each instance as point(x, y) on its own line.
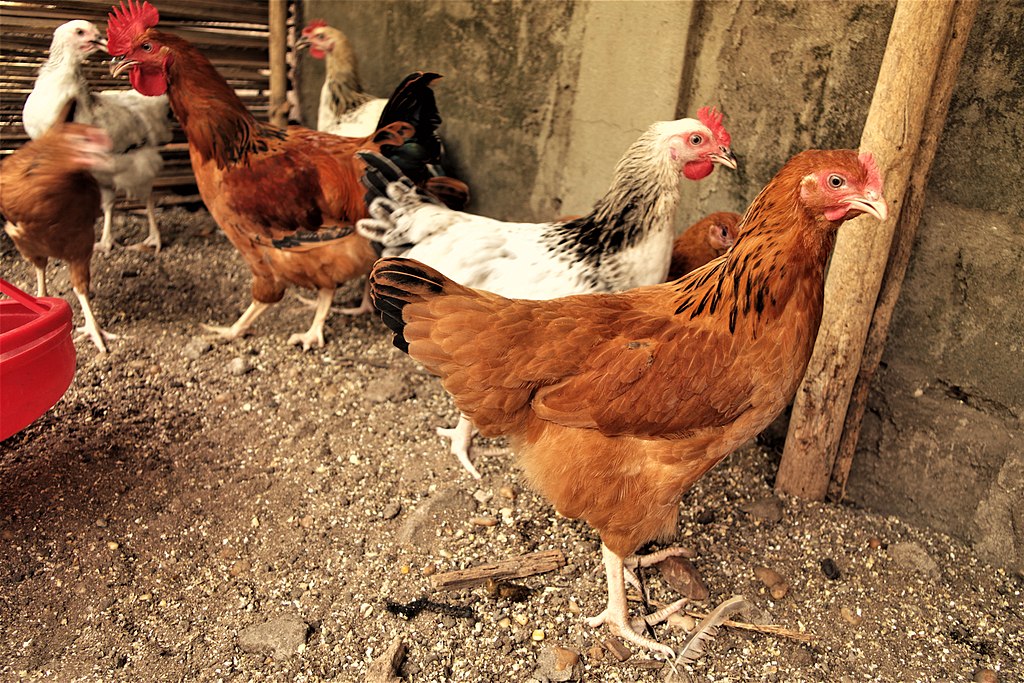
point(319, 38)
point(78, 37)
point(696, 145)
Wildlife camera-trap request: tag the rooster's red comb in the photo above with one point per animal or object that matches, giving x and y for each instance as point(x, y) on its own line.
point(313, 25)
point(712, 118)
point(126, 22)
point(867, 162)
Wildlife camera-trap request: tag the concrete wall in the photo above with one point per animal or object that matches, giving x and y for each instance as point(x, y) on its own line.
point(541, 98)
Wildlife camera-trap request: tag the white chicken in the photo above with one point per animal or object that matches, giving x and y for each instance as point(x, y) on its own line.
point(624, 242)
point(345, 109)
point(136, 124)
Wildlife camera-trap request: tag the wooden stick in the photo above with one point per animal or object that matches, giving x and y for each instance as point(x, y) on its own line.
point(892, 132)
point(515, 568)
point(766, 628)
point(903, 241)
point(278, 63)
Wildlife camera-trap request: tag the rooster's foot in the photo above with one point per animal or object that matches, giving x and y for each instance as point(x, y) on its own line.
point(98, 336)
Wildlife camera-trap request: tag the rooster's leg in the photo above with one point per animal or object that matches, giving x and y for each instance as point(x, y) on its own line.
point(256, 308)
point(41, 281)
point(462, 439)
point(106, 242)
point(314, 336)
point(364, 306)
point(152, 240)
point(91, 328)
point(616, 615)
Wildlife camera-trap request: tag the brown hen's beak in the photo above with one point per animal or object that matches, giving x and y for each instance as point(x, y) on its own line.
point(119, 65)
point(872, 204)
point(725, 158)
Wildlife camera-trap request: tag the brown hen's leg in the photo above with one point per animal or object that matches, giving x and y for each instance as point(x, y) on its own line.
point(462, 439)
point(314, 336)
point(241, 326)
point(41, 280)
point(364, 307)
point(616, 614)
point(91, 328)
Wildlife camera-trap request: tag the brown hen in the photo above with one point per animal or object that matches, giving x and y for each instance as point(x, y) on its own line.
point(707, 239)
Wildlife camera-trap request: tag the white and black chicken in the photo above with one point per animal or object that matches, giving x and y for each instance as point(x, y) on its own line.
point(624, 242)
point(136, 124)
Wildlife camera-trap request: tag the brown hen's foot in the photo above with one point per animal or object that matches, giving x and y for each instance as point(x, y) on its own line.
point(91, 328)
point(314, 336)
point(462, 440)
point(365, 306)
point(241, 325)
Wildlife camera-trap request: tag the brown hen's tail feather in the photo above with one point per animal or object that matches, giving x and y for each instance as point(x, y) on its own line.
point(397, 282)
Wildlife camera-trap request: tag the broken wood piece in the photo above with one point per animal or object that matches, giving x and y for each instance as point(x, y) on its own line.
point(385, 668)
point(515, 568)
point(617, 648)
point(770, 629)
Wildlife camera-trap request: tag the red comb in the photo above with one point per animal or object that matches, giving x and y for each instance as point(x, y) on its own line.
point(712, 118)
point(867, 162)
point(124, 23)
point(313, 25)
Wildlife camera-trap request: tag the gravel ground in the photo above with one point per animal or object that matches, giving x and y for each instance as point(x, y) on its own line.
point(246, 511)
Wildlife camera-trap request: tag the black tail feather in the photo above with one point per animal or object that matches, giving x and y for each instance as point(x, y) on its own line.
point(396, 283)
point(413, 102)
point(380, 172)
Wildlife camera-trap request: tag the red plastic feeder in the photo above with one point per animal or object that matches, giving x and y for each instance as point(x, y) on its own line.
point(37, 356)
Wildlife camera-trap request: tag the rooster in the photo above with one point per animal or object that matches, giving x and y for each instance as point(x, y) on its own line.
point(624, 242)
point(51, 202)
point(287, 198)
point(707, 239)
point(137, 125)
point(345, 109)
point(617, 403)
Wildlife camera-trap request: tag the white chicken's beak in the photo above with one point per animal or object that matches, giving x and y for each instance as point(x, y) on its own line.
point(119, 65)
point(725, 158)
point(871, 203)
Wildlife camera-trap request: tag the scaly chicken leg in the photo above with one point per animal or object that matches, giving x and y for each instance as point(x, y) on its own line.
point(241, 326)
point(364, 306)
point(152, 240)
point(106, 243)
point(616, 614)
point(462, 438)
point(41, 280)
point(91, 328)
point(314, 336)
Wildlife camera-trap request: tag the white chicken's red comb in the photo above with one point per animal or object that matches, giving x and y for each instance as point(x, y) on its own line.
point(867, 162)
point(313, 25)
point(124, 23)
point(712, 118)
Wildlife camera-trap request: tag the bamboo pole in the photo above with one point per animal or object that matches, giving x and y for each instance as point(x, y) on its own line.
point(278, 21)
point(903, 241)
point(892, 132)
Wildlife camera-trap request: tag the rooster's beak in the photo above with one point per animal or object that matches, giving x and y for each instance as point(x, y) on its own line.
point(119, 65)
point(725, 158)
point(871, 203)
point(302, 42)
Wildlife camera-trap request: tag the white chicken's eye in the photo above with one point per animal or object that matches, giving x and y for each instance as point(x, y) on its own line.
point(836, 181)
point(79, 31)
point(147, 47)
point(696, 139)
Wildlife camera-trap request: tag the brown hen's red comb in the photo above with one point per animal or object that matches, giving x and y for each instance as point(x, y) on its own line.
point(712, 118)
point(313, 25)
point(867, 161)
point(124, 23)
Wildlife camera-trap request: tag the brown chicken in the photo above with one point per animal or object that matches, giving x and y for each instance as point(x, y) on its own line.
point(617, 403)
point(51, 202)
point(707, 239)
point(287, 198)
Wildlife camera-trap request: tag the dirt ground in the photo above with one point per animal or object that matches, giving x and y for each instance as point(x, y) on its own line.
point(247, 511)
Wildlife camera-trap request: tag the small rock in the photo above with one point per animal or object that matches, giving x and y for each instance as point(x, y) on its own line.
point(829, 569)
point(507, 492)
point(915, 558)
point(482, 496)
point(767, 509)
point(392, 388)
point(595, 653)
point(282, 637)
point(384, 669)
point(682, 622)
point(239, 366)
point(484, 521)
point(101, 523)
point(537, 635)
point(773, 581)
point(240, 567)
point(306, 521)
point(682, 576)
point(874, 543)
point(986, 676)
point(113, 545)
point(851, 617)
point(617, 648)
point(558, 664)
point(196, 348)
point(391, 510)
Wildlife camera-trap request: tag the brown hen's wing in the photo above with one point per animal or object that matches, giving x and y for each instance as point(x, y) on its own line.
point(611, 362)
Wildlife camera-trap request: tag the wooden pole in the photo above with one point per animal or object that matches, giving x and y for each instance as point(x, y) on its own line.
point(892, 132)
point(903, 241)
point(278, 21)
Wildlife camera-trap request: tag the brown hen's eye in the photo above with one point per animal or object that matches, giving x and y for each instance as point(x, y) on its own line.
point(696, 140)
point(147, 47)
point(836, 181)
